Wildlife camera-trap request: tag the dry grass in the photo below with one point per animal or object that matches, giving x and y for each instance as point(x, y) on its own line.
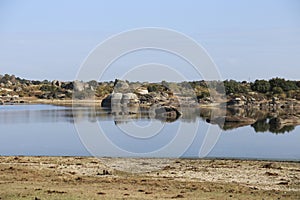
point(91, 178)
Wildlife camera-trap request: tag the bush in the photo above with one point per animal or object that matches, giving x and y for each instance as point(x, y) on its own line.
point(277, 90)
point(261, 126)
point(86, 94)
point(283, 84)
point(48, 88)
point(261, 86)
point(103, 90)
point(153, 88)
point(234, 87)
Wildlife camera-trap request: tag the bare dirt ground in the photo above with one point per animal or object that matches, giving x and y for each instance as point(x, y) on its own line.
point(124, 178)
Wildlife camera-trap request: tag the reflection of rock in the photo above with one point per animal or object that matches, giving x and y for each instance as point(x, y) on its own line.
point(230, 122)
point(123, 104)
point(167, 113)
point(123, 113)
point(118, 109)
point(237, 119)
point(286, 120)
point(260, 120)
point(261, 125)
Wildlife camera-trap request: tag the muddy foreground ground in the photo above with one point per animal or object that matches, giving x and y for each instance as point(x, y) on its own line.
point(117, 178)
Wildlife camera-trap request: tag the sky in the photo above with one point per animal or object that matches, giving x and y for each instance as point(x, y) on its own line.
point(247, 40)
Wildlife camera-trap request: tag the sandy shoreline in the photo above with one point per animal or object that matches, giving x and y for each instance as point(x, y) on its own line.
point(23, 177)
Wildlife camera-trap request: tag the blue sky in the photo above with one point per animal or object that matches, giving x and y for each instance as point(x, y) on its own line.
point(246, 39)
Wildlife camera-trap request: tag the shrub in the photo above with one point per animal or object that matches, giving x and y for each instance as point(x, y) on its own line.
point(261, 86)
point(277, 90)
point(234, 87)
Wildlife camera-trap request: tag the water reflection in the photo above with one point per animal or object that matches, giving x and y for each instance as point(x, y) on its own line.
point(49, 130)
point(270, 125)
point(259, 120)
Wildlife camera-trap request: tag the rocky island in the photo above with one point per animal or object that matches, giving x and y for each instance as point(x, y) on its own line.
point(272, 105)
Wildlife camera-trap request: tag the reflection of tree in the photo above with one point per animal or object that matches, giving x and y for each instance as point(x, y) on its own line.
point(282, 130)
point(260, 120)
point(227, 119)
point(273, 126)
point(261, 125)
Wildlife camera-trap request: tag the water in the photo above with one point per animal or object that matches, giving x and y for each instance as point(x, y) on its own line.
point(50, 131)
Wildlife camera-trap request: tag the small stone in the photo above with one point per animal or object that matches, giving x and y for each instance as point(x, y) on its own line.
point(178, 196)
point(101, 193)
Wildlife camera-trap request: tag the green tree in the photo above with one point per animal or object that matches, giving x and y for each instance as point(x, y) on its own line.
point(261, 86)
point(48, 88)
point(261, 126)
point(276, 82)
point(277, 90)
point(290, 85)
point(234, 87)
point(283, 84)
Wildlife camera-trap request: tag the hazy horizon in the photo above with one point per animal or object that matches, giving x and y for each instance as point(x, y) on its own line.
point(143, 80)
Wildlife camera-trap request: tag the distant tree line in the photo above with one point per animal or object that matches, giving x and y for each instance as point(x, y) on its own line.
point(275, 85)
point(267, 88)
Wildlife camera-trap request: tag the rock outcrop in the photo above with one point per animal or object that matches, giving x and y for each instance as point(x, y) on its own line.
point(80, 86)
point(56, 83)
point(121, 86)
point(125, 99)
point(121, 95)
point(122, 99)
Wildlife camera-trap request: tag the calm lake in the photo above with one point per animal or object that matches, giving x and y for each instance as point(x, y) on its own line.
point(46, 130)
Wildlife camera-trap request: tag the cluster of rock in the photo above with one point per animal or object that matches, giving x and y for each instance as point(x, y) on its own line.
point(123, 98)
point(273, 104)
point(10, 99)
point(8, 95)
point(120, 99)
